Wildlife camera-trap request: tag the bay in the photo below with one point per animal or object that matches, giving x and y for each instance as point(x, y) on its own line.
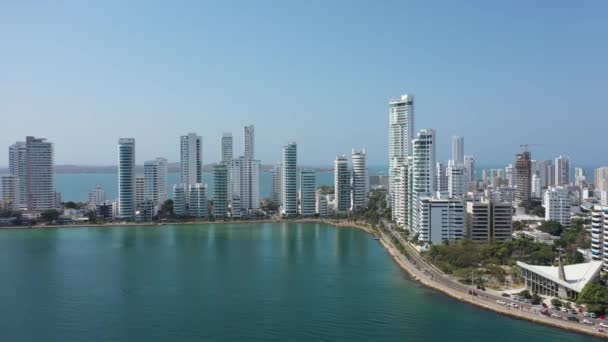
point(228, 282)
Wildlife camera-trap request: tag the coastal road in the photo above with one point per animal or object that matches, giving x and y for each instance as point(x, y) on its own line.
point(433, 277)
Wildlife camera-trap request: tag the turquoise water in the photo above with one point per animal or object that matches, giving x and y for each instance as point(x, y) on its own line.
point(267, 282)
point(75, 187)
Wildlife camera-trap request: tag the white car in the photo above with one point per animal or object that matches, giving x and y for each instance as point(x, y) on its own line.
point(586, 314)
point(592, 315)
point(554, 315)
point(603, 325)
point(563, 309)
point(586, 321)
point(551, 306)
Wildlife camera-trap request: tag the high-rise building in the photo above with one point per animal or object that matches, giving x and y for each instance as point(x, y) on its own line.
point(423, 175)
point(489, 221)
point(441, 177)
point(246, 182)
point(126, 178)
point(510, 175)
point(469, 165)
point(601, 178)
point(599, 238)
point(40, 174)
point(360, 180)
point(440, 219)
point(227, 158)
point(289, 189)
point(401, 192)
point(557, 205)
point(249, 142)
point(562, 170)
point(140, 185)
point(17, 167)
point(198, 200)
point(277, 179)
point(401, 133)
point(544, 170)
point(180, 206)
point(191, 159)
point(10, 192)
point(580, 176)
point(458, 150)
point(155, 181)
point(308, 186)
point(457, 180)
point(220, 191)
point(97, 196)
point(536, 192)
point(523, 179)
point(246, 173)
point(322, 207)
point(342, 184)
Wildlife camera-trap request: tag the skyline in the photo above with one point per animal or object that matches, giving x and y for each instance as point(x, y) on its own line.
point(500, 79)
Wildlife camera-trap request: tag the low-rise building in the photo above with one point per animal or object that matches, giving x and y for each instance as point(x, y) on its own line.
point(489, 221)
point(559, 281)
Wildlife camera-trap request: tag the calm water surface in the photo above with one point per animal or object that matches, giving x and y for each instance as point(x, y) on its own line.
point(277, 282)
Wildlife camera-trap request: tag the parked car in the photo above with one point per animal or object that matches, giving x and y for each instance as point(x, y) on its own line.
point(603, 325)
point(554, 315)
point(586, 321)
point(573, 319)
point(506, 295)
point(544, 305)
point(586, 314)
point(592, 315)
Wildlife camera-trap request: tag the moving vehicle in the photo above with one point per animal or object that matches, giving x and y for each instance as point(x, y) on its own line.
point(554, 315)
point(586, 321)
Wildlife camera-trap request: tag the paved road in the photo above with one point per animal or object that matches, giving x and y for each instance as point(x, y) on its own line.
point(425, 270)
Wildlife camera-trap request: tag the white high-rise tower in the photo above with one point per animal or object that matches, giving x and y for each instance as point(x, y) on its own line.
point(40, 174)
point(360, 181)
point(458, 150)
point(289, 190)
point(191, 162)
point(562, 170)
point(17, 168)
point(423, 175)
point(155, 181)
point(401, 133)
point(227, 159)
point(126, 178)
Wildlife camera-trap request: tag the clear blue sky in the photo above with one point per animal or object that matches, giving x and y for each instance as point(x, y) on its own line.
point(500, 73)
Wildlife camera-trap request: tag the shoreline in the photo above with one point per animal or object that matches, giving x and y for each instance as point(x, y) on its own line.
point(404, 263)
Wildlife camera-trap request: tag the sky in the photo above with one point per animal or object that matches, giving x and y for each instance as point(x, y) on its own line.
point(500, 73)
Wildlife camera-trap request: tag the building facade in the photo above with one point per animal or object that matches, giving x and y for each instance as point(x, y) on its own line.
point(489, 221)
point(289, 188)
point(360, 180)
point(220, 191)
point(191, 159)
point(126, 178)
point(523, 170)
point(342, 184)
point(308, 186)
point(557, 205)
point(155, 181)
point(562, 170)
point(441, 219)
point(401, 133)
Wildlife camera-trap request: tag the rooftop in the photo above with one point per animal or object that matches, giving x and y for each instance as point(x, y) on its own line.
point(577, 275)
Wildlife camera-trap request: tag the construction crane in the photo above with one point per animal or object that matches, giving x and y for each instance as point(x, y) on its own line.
point(525, 146)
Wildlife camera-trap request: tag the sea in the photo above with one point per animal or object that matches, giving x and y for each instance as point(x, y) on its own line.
point(228, 282)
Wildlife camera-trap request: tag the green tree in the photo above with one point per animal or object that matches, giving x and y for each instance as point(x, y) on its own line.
point(48, 216)
point(552, 227)
point(166, 209)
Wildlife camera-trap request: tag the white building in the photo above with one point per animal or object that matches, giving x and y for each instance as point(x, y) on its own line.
point(440, 219)
point(322, 206)
point(227, 158)
point(559, 281)
point(601, 178)
point(97, 196)
point(191, 159)
point(180, 206)
point(599, 234)
point(40, 174)
point(246, 182)
point(604, 198)
point(401, 133)
point(198, 206)
point(126, 178)
point(457, 180)
point(423, 176)
point(140, 184)
point(562, 170)
point(10, 192)
point(510, 175)
point(537, 190)
point(17, 167)
point(246, 172)
point(342, 184)
point(155, 181)
point(220, 191)
point(557, 205)
point(360, 180)
point(277, 178)
point(289, 188)
point(580, 176)
point(401, 192)
point(308, 185)
point(457, 150)
point(441, 177)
